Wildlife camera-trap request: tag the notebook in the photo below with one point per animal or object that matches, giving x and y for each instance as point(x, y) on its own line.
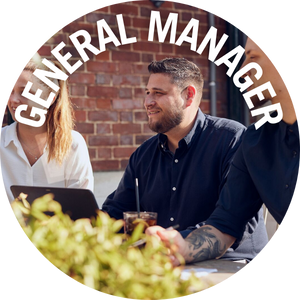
point(77, 203)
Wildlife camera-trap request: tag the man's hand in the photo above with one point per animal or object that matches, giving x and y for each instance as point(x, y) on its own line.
point(173, 240)
point(204, 243)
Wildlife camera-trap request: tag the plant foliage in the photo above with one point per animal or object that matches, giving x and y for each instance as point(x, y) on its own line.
point(96, 255)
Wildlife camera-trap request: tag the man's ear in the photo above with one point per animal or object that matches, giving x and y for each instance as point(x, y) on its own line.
point(190, 95)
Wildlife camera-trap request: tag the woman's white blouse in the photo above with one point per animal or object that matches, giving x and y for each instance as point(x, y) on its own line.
point(74, 172)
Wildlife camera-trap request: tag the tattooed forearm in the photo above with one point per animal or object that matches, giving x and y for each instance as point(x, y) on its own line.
point(203, 244)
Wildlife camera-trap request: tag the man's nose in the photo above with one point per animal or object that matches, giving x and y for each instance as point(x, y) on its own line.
point(148, 101)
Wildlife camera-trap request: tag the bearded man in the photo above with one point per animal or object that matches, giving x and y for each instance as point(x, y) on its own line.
point(182, 169)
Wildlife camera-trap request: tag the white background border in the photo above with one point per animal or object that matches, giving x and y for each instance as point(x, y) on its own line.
point(25, 26)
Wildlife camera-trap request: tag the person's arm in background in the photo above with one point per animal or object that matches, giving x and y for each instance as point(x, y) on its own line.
point(123, 198)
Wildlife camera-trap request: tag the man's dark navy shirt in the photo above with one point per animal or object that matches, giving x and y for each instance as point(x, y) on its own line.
point(182, 188)
point(264, 170)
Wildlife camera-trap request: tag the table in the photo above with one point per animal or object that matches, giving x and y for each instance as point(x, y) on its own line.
point(225, 269)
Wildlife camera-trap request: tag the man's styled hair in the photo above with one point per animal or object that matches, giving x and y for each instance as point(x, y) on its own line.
point(181, 71)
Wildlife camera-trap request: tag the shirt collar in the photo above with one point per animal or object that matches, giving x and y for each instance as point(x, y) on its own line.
point(162, 138)
point(199, 119)
point(11, 134)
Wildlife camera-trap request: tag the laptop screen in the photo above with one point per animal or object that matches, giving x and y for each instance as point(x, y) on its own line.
point(77, 203)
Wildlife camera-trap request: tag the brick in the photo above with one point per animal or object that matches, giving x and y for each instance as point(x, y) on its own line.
point(103, 140)
point(79, 115)
point(140, 69)
point(141, 23)
point(72, 51)
point(139, 93)
point(145, 11)
point(167, 48)
point(84, 103)
point(126, 128)
point(167, 4)
point(147, 58)
point(140, 116)
point(146, 47)
point(126, 140)
point(102, 91)
point(125, 68)
point(184, 49)
point(126, 104)
point(143, 3)
point(128, 25)
point(126, 116)
point(126, 47)
point(92, 153)
point(84, 127)
point(97, 16)
point(76, 90)
point(103, 104)
point(103, 9)
point(103, 115)
point(104, 152)
point(145, 80)
point(103, 128)
point(146, 129)
point(125, 56)
point(99, 66)
point(186, 16)
point(144, 34)
point(125, 9)
point(105, 165)
point(58, 38)
point(184, 7)
point(103, 79)
point(82, 78)
point(125, 92)
point(105, 55)
point(123, 151)
point(73, 61)
point(75, 26)
point(123, 80)
point(45, 51)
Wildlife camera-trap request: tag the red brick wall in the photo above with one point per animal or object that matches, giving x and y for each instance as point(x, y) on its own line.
point(108, 90)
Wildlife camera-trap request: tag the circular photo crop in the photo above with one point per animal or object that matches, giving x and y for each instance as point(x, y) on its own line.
point(149, 150)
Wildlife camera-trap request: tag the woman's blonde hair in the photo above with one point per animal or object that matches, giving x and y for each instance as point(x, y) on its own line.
point(60, 118)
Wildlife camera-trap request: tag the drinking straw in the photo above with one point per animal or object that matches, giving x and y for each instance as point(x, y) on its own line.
point(137, 197)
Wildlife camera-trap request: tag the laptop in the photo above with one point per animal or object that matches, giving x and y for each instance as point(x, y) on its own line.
point(77, 203)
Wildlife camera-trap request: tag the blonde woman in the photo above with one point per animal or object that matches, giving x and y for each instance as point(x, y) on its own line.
point(51, 155)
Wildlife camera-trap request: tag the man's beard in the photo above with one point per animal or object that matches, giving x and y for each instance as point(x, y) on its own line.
point(170, 120)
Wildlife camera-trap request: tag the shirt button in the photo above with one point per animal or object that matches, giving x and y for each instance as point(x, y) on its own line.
point(176, 160)
point(172, 219)
point(286, 186)
point(294, 153)
point(174, 188)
